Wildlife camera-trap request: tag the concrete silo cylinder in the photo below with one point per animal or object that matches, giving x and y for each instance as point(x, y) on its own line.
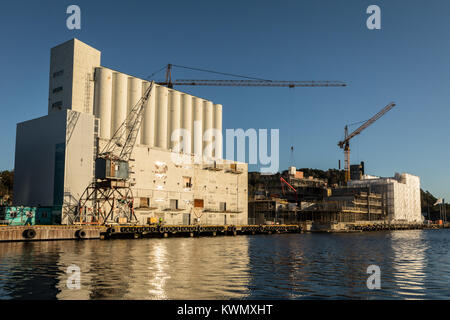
point(161, 117)
point(197, 131)
point(134, 94)
point(174, 116)
point(186, 121)
point(207, 126)
point(218, 126)
point(119, 100)
point(148, 121)
point(103, 99)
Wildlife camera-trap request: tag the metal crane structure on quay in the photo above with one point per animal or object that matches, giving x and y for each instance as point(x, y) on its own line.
point(345, 144)
point(110, 193)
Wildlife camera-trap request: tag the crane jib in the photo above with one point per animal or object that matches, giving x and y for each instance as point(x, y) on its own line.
point(253, 83)
point(367, 123)
point(121, 145)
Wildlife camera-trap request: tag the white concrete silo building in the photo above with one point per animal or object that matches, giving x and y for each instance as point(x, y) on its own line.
point(87, 104)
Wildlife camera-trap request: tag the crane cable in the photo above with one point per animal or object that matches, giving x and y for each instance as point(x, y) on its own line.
point(357, 141)
point(355, 123)
point(151, 76)
point(221, 73)
point(210, 71)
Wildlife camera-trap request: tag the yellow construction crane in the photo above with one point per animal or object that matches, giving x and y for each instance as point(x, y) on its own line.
point(345, 144)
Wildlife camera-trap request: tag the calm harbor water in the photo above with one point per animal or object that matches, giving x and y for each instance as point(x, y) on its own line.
point(414, 265)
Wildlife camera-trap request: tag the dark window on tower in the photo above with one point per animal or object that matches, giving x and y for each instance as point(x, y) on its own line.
point(58, 73)
point(57, 89)
point(57, 104)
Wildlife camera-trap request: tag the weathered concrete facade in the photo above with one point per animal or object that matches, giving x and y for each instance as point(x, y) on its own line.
point(185, 192)
point(71, 76)
point(55, 153)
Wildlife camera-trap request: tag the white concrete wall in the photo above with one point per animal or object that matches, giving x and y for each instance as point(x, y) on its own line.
point(159, 178)
point(157, 174)
point(34, 163)
point(79, 162)
point(36, 140)
point(85, 60)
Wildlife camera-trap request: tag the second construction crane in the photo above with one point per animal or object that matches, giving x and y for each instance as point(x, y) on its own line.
point(345, 144)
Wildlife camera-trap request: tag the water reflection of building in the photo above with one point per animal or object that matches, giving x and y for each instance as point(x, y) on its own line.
point(28, 270)
point(105, 269)
point(178, 268)
point(206, 268)
point(409, 263)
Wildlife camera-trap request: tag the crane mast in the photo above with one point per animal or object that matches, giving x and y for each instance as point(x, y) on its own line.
point(345, 144)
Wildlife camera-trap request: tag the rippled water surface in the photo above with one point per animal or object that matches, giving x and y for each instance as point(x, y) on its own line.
point(414, 265)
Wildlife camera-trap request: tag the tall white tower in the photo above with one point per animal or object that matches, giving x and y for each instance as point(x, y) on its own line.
point(71, 86)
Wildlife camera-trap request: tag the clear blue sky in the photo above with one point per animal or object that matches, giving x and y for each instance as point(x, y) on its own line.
point(408, 62)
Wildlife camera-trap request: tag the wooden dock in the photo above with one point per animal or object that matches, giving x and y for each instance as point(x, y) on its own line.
point(365, 226)
point(82, 232)
point(45, 233)
point(195, 230)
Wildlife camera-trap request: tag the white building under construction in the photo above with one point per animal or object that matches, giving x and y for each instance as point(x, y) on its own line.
point(401, 194)
point(54, 159)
